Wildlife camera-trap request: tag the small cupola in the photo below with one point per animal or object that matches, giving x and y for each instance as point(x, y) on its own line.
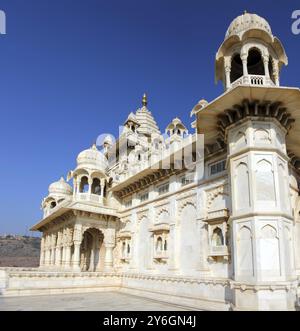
point(250, 54)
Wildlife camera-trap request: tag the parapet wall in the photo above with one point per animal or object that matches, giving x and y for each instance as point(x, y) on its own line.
point(194, 293)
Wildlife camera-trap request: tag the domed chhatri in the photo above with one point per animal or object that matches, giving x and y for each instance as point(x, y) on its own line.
point(247, 22)
point(250, 54)
point(92, 158)
point(60, 187)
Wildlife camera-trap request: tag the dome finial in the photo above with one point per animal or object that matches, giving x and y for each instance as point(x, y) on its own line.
point(94, 146)
point(145, 100)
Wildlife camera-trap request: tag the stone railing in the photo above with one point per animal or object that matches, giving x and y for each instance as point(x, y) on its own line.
point(217, 214)
point(89, 197)
point(253, 80)
point(219, 251)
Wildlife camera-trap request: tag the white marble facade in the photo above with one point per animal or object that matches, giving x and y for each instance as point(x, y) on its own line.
point(227, 239)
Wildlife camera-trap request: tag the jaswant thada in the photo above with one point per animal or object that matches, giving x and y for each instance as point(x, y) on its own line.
point(229, 240)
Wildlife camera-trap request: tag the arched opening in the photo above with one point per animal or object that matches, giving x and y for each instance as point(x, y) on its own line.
point(217, 237)
point(123, 249)
point(255, 63)
point(159, 244)
point(96, 186)
point(236, 68)
point(92, 250)
point(165, 245)
point(84, 185)
point(52, 204)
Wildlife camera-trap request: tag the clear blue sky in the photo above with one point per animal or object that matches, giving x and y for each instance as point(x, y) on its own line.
point(73, 69)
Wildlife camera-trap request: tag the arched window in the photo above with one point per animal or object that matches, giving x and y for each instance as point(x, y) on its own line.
point(128, 249)
point(165, 245)
point(96, 186)
point(84, 185)
point(139, 157)
point(123, 247)
point(236, 68)
point(217, 237)
point(159, 244)
point(255, 63)
point(52, 204)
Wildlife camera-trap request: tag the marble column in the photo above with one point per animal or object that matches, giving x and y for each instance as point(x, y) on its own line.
point(68, 256)
point(42, 254)
point(76, 256)
point(266, 66)
point(108, 260)
point(227, 77)
point(63, 260)
point(58, 256)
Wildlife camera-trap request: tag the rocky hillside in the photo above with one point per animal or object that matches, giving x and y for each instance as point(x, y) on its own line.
point(19, 251)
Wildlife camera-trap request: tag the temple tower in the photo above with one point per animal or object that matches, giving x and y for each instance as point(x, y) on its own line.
point(257, 120)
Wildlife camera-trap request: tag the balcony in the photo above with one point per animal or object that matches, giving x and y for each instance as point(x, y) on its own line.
point(219, 251)
point(88, 197)
point(160, 256)
point(253, 80)
point(217, 215)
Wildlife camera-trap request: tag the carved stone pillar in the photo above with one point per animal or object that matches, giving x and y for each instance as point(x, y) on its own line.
point(102, 186)
point(76, 256)
point(53, 249)
point(42, 254)
point(68, 256)
point(109, 243)
point(244, 58)
point(108, 261)
point(47, 251)
point(58, 256)
point(63, 260)
point(90, 182)
point(227, 76)
point(58, 250)
point(266, 65)
point(77, 238)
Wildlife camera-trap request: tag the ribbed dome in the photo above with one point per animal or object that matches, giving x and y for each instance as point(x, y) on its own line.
point(60, 187)
point(108, 140)
point(92, 159)
point(247, 22)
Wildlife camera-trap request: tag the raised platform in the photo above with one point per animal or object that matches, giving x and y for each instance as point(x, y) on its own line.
point(193, 293)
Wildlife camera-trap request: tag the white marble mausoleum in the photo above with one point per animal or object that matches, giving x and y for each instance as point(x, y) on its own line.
point(131, 216)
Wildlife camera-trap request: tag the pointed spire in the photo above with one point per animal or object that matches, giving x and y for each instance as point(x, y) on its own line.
point(145, 100)
point(94, 146)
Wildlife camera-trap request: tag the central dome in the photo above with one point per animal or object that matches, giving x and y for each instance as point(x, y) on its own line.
point(247, 22)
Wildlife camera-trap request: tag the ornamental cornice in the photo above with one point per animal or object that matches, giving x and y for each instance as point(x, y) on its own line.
point(186, 195)
point(148, 180)
point(213, 192)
